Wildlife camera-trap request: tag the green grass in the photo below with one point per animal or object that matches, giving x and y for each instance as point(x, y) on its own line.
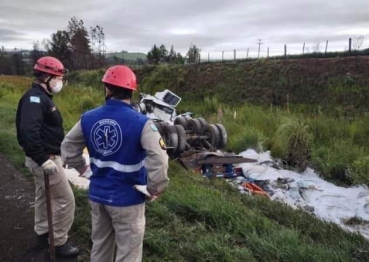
point(334, 146)
point(199, 219)
point(128, 56)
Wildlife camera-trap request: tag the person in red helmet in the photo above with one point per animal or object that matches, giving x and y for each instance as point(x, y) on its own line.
point(40, 133)
point(126, 153)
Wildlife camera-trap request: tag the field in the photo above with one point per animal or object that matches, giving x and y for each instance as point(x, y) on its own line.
point(128, 56)
point(206, 220)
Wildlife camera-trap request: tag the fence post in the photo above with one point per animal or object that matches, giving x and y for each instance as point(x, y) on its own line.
point(247, 54)
point(222, 56)
point(350, 46)
point(208, 57)
point(326, 48)
point(303, 48)
point(285, 51)
point(234, 54)
point(268, 53)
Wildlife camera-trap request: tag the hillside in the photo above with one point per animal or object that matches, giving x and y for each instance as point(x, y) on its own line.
point(199, 219)
point(323, 82)
point(127, 56)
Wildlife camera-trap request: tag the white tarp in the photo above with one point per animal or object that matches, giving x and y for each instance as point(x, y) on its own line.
point(326, 200)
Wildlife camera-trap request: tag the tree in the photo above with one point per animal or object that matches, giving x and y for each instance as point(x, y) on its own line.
point(11, 63)
point(97, 37)
point(5, 63)
point(153, 56)
point(180, 59)
point(59, 47)
point(36, 53)
point(18, 63)
point(358, 42)
point(193, 54)
point(172, 57)
point(80, 43)
point(163, 54)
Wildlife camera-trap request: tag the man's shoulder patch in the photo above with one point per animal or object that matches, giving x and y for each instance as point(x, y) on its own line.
point(162, 144)
point(34, 99)
point(153, 127)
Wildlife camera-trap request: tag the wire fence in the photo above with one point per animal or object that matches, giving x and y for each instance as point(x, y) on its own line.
point(261, 50)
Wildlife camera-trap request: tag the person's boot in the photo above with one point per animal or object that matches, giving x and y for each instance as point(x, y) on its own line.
point(43, 240)
point(66, 250)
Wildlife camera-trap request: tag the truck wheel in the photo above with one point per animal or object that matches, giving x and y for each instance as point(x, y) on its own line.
point(194, 126)
point(203, 124)
point(170, 137)
point(181, 121)
point(223, 137)
point(182, 139)
point(212, 132)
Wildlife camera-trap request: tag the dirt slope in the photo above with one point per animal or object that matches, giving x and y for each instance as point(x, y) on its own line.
point(17, 238)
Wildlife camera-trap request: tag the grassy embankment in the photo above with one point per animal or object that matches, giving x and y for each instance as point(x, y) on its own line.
point(206, 220)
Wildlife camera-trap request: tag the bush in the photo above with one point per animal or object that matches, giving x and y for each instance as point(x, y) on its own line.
point(248, 138)
point(293, 140)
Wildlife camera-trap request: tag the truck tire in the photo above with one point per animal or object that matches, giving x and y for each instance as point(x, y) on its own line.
point(182, 121)
point(182, 139)
point(203, 124)
point(194, 126)
point(170, 137)
point(212, 132)
point(223, 137)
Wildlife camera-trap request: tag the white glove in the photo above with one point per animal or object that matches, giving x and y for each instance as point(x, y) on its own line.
point(143, 190)
point(50, 167)
point(87, 172)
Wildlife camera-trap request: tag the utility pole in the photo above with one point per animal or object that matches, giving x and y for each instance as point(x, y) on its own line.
point(260, 43)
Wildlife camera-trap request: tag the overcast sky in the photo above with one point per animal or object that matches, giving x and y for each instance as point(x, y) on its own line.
point(212, 25)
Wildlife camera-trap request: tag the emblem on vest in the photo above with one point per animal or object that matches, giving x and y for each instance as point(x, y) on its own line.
point(106, 136)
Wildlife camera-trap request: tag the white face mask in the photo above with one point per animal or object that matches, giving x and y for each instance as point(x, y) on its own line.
point(57, 88)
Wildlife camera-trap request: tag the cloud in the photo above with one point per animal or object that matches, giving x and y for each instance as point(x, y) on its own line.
point(213, 25)
point(7, 35)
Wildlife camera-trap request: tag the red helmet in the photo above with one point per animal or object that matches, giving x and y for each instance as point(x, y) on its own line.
point(121, 76)
point(50, 65)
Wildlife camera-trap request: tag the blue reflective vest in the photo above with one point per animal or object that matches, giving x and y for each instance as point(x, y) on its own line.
point(113, 137)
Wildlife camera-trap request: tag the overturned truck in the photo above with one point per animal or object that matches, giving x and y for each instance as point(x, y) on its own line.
point(181, 133)
point(194, 142)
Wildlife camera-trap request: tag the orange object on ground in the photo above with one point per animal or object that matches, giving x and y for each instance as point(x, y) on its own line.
point(254, 189)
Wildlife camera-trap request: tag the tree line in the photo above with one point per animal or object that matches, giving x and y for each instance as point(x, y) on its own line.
point(76, 47)
point(160, 55)
point(80, 48)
